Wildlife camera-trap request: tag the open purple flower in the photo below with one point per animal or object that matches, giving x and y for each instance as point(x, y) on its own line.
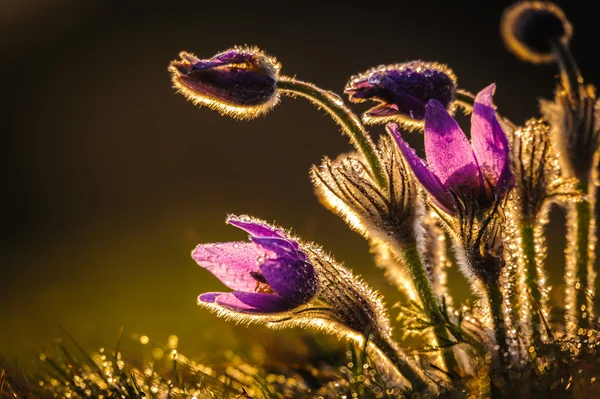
point(456, 169)
point(403, 90)
point(270, 274)
point(241, 81)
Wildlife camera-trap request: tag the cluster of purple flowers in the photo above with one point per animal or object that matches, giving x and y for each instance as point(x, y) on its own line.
point(391, 195)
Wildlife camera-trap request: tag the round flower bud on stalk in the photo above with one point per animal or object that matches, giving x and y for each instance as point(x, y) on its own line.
point(531, 28)
point(403, 91)
point(240, 82)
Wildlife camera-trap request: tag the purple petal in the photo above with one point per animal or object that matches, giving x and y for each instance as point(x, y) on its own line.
point(422, 81)
point(251, 302)
point(383, 110)
point(233, 85)
point(360, 90)
point(449, 153)
point(429, 181)
point(488, 139)
point(235, 56)
point(230, 262)
point(279, 247)
point(255, 228)
point(404, 100)
point(210, 297)
point(293, 279)
point(202, 65)
point(228, 58)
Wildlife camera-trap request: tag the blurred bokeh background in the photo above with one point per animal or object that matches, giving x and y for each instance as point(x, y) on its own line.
point(109, 178)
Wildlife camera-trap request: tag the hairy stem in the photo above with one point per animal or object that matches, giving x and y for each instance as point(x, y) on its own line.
point(412, 260)
point(569, 71)
point(495, 300)
point(353, 311)
point(349, 122)
point(465, 99)
point(531, 267)
point(390, 349)
point(580, 272)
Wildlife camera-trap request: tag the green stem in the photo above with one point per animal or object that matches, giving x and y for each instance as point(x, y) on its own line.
point(465, 100)
point(584, 260)
point(494, 294)
point(351, 315)
point(531, 267)
point(569, 71)
point(412, 260)
point(394, 354)
point(349, 122)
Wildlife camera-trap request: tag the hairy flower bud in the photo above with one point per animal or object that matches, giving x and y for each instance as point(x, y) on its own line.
point(538, 175)
point(240, 82)
point(403, 91)
point(575, 124)
point(529, 28)
point(346, 186)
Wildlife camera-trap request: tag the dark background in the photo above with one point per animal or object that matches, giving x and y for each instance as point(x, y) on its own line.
point(109, 178)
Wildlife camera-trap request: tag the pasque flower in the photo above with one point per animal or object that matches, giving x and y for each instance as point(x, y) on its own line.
point(457, 170)
point(282, 282)
point(402, 90)
point(241, 82)
point(269, 274)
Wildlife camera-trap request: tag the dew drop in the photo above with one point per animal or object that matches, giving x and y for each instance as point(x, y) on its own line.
point(336, 98)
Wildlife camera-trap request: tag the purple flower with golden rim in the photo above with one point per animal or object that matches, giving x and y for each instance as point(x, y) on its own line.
point(269, 274)
point(456, 168)
point(241, 81)
point(402, 90)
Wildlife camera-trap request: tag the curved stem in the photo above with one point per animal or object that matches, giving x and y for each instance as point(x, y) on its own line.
point(349, 122)
point(353, 312)
point(581, 223)
point(465, 99)
point(531, 267)
point(569, 71)
point(412, 260)
point(390, 349)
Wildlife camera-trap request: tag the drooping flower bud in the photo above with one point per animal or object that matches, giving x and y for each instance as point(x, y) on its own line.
point(240, 82)
point(530, 27)
point(403, 91)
